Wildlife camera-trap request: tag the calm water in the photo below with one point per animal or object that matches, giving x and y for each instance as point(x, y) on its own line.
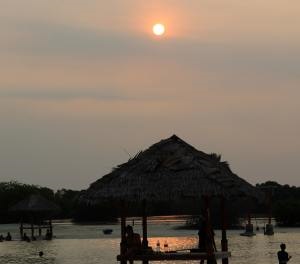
point(78, 244)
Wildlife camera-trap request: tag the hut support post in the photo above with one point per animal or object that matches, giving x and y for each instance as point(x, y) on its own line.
point(144, 222)
point(123, 232)
point(32, 228)
point(40, 229)
point(209, 239)
point(224, 241)
point(270, 207)
point(21, 229)
point(50, 228)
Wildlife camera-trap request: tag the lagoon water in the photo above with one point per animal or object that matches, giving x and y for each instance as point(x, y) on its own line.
point(86, 244)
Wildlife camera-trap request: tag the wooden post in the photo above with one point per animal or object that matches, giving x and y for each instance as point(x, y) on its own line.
point(32, 227)
point(51, 228)
point(21, 229)
point(206, 217)
point(270, 206)
point(144, 223)
point(224, 241)
point(123, 232)
point(249, 218)
point(40, 229)
point(209, 231)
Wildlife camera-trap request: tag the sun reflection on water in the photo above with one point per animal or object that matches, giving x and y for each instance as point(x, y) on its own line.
point(174, 243)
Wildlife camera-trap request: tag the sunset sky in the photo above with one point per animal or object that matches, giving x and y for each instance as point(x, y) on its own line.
point(83, 84)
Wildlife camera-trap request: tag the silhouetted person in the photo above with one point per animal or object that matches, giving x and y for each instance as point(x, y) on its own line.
point(48, 235)
point(206, 239)
point(283, 256)
point(8, 237)
point(133, 243)
point(1, 238)
point(26, 238)
point(41, 253)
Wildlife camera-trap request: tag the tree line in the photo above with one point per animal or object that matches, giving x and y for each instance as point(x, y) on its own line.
point(285, 205)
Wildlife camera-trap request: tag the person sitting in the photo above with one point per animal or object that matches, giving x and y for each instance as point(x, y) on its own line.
point(48, 235)
point(26, 238)
point(283, 256)
point(8, 237)
point(133, 243)
point(206, 239)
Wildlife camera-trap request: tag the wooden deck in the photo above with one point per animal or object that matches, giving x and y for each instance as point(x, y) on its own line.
point(175, 256)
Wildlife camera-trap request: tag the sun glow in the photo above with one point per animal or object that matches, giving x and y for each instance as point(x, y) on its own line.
point(158, 29)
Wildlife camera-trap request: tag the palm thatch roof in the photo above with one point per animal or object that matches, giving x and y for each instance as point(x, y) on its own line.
point(169, 170)
point(35, 204)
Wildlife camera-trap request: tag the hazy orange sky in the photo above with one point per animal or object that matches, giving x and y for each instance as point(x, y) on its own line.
point(83, 81)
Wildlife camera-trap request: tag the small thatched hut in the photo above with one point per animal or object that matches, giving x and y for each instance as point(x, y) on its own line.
point(36, 211)
point(170, 170)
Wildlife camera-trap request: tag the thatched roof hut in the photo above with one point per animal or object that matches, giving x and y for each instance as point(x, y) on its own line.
point(37, 211)
point(170, 169)
point(35, 204)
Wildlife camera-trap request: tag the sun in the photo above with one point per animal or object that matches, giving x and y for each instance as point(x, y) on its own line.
point(158, 29)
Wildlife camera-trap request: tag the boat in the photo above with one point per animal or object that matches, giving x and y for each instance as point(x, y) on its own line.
point(107, 231)
point(248, 234)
